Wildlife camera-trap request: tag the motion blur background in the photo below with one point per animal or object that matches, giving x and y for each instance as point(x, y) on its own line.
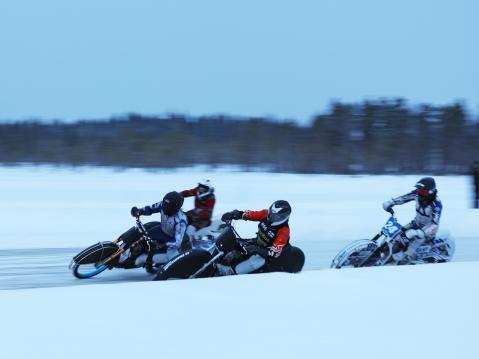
point(305, 86)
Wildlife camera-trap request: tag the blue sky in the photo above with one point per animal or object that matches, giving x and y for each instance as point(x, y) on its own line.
point(284, 59)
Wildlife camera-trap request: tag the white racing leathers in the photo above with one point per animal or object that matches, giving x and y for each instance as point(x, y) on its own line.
point(172, 231)
point(426, 223)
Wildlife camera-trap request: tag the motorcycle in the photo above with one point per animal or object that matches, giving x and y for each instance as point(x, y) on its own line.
point(203, 237)
point(121, 253)
point(227, 248)
point(380, 249)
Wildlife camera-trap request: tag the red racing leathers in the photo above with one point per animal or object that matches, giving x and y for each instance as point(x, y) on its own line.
point(200, 216)
point(275, 238)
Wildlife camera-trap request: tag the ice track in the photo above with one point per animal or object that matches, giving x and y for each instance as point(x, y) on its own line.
point(48, 267)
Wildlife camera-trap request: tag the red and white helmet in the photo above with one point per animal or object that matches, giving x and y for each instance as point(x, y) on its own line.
point(205, 188)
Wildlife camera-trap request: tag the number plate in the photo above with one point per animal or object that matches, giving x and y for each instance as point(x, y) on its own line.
point(391, 228)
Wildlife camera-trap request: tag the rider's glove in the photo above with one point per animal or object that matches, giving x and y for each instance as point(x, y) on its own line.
point(388, 205)
point(412, 234)
point(136, 212)
point(228, 216)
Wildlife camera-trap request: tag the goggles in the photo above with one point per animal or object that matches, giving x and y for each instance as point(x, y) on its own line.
point(422, 192)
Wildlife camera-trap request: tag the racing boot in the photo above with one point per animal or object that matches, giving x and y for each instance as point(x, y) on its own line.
point(224, 270)
point(140, 261)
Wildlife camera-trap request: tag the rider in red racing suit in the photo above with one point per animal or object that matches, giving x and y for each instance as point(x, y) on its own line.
point(200, 216)
point(272, 237)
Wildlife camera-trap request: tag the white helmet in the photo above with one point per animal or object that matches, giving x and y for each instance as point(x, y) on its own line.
point(205, 188)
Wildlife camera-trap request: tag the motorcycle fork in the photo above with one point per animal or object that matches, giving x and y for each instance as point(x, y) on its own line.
point(118, 252)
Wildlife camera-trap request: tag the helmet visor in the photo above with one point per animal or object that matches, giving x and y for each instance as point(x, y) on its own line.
point(277, 217)
point(202, 189)
point(422, 192)
point(170, 208)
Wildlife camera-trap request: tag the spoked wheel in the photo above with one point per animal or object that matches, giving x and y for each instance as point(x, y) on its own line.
point(87, 263)
point(355, 254)
point(83, 271)
point(356, 259)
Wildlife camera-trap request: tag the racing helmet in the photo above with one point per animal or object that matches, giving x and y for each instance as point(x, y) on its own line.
point(172, 203)
point(205, 188)
point(426, 190)
point(278, 212)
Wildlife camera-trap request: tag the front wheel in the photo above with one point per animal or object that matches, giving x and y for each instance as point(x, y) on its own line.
point(84, 271)
point(355, 254)
point(86, 264)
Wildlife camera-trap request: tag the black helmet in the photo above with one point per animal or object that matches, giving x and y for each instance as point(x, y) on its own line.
point(426, 190)
point(172, 203)
point(279, 212)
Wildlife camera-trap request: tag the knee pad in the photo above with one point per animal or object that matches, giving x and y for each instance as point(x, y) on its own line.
point(253, 263)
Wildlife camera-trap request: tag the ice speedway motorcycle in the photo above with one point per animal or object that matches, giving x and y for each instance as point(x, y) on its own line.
point(227, 248)
point(379, 250)
point(122, 252)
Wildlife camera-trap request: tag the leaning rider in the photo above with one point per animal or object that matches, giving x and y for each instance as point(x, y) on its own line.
point(425, 225)
point(272, 237)
point(200, 216)
point(169, 232)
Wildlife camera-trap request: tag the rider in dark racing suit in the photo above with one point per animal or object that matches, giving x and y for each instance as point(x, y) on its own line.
point(425, 225)
point(168, 233)
point(271, 240)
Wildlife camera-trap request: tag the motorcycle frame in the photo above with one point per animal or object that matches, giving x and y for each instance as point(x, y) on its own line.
point(218, 255)
point(144, 237)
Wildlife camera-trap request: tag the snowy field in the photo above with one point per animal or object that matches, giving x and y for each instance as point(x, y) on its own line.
point(427, 311)
point(43, 207)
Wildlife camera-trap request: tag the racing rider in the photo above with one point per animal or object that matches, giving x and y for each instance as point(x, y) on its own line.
point(169, 232)
point(425, 225)
point(200, 216)
point(272, 237)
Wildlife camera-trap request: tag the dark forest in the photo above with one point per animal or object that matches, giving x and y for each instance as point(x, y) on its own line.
point(371, 137)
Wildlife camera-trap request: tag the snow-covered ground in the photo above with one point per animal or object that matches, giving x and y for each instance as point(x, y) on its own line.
point(44, 207)
point(427, 311)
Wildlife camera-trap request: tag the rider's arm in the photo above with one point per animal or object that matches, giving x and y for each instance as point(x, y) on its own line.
point(189, 192)
point(180, 229)
point(255, 215)
point(149, 210)
point(408, 197)
point(280, 242)
point(431, 228)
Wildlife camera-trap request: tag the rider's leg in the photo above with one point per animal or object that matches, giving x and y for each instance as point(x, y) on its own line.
point(251, 264)
point(159, 252)
point(402, 249)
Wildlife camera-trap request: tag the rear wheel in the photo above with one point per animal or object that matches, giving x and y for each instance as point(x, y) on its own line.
point(291, 261)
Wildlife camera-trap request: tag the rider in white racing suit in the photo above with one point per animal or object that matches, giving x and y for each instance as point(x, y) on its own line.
point(425, 225)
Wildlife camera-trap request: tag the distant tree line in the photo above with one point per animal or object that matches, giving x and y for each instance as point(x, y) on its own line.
point(371, 137)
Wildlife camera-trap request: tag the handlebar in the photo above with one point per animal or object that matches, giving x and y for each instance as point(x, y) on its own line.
point(229, 223)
